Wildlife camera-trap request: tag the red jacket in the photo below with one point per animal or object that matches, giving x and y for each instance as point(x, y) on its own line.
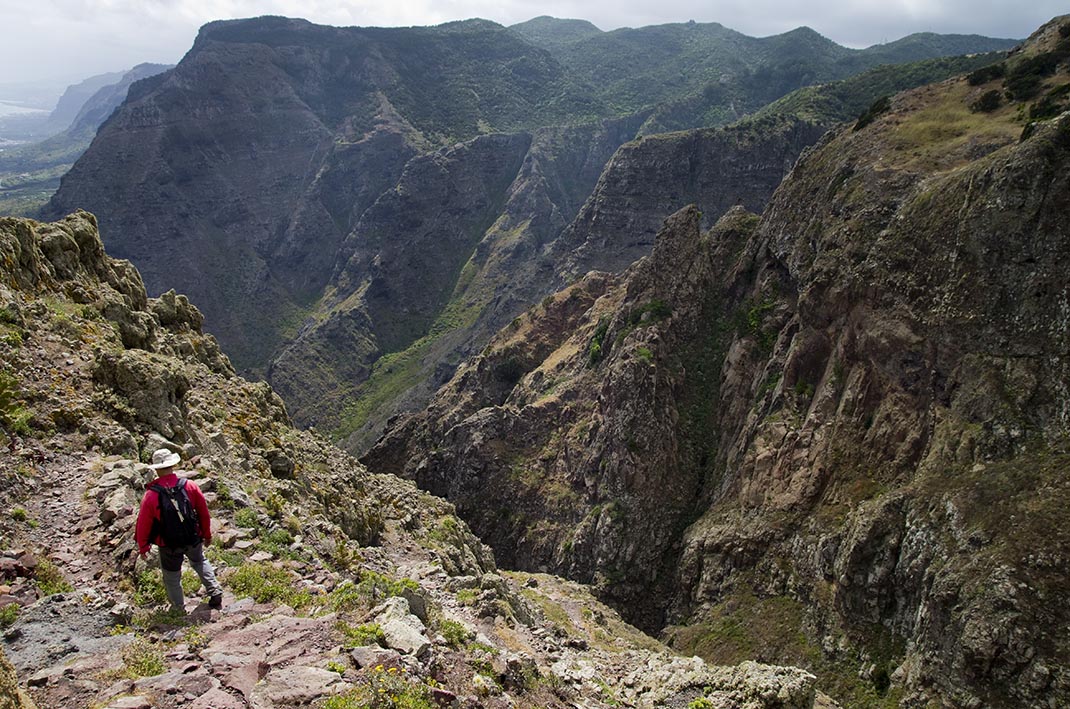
point(150, 512)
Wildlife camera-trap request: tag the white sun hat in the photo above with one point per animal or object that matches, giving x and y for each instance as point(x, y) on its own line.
point(164, 458)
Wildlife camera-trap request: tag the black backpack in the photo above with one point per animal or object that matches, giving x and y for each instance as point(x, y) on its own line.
point(178, 524)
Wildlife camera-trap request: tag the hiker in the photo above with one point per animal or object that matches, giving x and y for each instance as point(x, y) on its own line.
point(174, 516)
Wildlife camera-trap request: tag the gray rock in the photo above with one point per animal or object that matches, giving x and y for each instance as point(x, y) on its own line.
point(297, 686)
point(373, 656)
point(131, 703)
point(404, 631)
point(405, 636)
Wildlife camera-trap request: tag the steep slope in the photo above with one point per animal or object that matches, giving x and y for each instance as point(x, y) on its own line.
point(476, 219)
point(823, 103)
point(342, 588)
point(541, 241)
point(252, 160)
point(74, 98)
point(98, 107)
point(650, 178)
point(835, 434)
point(357, 209)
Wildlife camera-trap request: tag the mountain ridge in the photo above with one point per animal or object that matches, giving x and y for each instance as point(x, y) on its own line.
point(808, 417)
point(257, 187)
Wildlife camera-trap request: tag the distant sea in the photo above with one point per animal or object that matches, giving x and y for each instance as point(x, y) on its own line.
point(13, 109)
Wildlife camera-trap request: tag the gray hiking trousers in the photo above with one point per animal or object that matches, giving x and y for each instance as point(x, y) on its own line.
point(171, 565)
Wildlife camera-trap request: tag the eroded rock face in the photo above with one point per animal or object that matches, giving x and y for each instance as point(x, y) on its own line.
point(856, 406)
point(324, 212)
point(650, 178)
point(570, 418)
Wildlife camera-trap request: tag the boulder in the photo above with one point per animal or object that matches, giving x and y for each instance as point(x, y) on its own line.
point(403, 631)
point(297, 686)
point(373, 656)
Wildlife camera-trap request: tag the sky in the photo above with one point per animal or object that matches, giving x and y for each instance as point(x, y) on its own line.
point(57, 42)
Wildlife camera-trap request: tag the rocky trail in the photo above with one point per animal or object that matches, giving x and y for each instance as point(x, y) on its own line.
point(83, 647)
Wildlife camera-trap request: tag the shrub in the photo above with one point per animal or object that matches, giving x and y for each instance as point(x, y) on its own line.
point(386, 688)
point(467, 596)
point(191, 582)
point(456, 634)
point(196, 640)
point(142, 658)
point(375, 586)
point(1023, 82)
point(989, 101)
point(265, 583)
point(49, 580)
point(509, 371)
point(13, 415)
point(224, 557)
point(986, 74)
point(1050, 105)
point(277, 542)
point(274, 505)
point(222, 496)
point(804, 389)
point(19, 514)
point(8, 615)
point(875, 110)
point(148, 589)
point(360, 635)
point(346, 596)
point(594, 350)
point(161, 616)
point(247, 518)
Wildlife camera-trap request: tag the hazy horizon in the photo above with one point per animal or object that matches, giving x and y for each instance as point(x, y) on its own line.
point(90, 37)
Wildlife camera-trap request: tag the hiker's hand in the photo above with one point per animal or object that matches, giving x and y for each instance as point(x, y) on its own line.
point(143, 554)
point(207, 541)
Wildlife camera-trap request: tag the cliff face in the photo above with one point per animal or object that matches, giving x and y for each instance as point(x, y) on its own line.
point(650, 178)
point(457, 249)
point(253, 159)
point(846, 420)
point(294, 179)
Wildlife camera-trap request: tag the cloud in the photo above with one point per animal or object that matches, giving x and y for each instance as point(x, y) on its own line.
point(67, 40)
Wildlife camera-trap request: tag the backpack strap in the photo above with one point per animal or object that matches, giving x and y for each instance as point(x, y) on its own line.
point(169, 493)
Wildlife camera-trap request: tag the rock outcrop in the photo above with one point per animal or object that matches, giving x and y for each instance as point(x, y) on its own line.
point(845, 421)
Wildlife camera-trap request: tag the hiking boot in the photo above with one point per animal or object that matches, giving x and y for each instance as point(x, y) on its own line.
point(216, 602)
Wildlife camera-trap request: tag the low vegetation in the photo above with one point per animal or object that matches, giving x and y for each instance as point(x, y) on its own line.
point(142, 658)
point(49, 579)
point(266, 583)
point(9, 614)
point(385, 688)
point(876, 109)
point(360, 635)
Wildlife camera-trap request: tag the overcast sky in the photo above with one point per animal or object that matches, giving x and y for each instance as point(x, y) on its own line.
point(67, 40)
